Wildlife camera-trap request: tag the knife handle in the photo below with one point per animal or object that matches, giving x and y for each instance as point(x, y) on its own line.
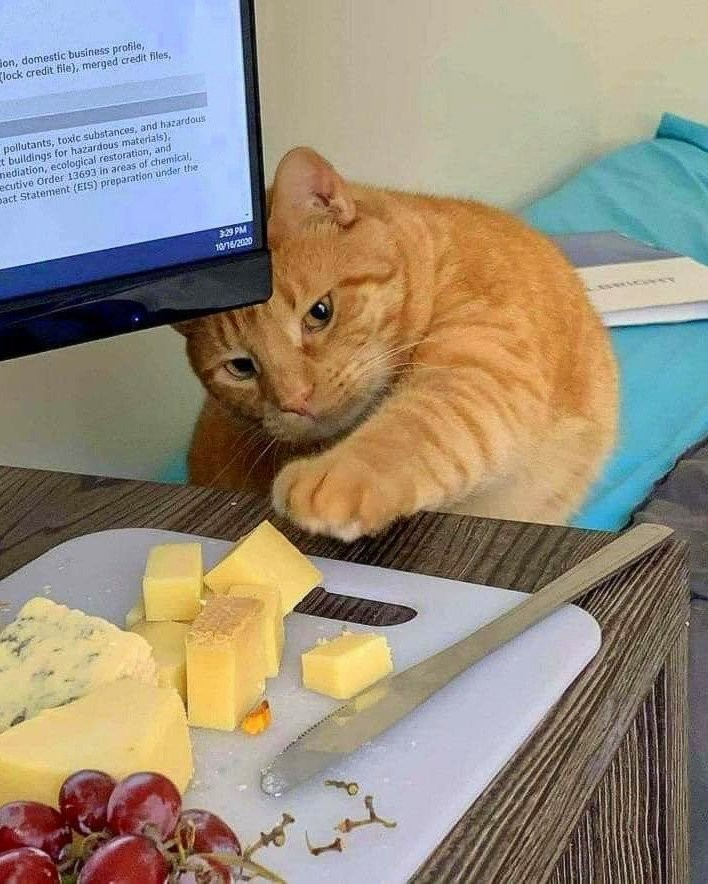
point(629, 547)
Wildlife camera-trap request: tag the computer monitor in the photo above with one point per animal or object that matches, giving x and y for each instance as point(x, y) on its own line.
point(131, 176)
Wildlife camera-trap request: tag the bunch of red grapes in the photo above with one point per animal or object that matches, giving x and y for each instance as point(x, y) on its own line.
point(131, 832)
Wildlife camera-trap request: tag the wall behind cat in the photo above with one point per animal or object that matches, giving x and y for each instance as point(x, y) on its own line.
point(475, 97)
point(122, 407)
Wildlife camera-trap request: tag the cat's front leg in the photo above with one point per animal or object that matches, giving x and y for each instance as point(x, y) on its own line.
point(343, 495)
point(433, 442)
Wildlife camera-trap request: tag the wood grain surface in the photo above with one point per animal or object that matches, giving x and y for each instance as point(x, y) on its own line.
point(598, 793)
point(616, 839)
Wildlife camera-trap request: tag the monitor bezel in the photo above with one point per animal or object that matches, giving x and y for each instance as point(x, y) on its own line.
point(242, 278)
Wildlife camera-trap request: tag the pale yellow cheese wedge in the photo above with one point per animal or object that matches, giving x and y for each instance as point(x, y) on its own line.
point(266, 558)
point(347, 665)
point(51, 655)
point(273, 629)
point(173, 581)
point(121, 728)
point(167, 640)
point(225, 662)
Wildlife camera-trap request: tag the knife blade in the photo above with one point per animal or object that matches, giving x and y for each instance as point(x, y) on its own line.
point(374, 711)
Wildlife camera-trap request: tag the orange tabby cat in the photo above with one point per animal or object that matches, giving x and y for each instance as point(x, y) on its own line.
point(417, 353)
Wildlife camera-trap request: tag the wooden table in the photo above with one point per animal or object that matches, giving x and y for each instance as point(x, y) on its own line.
point(599, 793)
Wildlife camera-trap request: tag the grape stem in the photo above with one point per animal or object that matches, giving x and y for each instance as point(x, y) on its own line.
point(348, 825)
point(233, 860)
point(184, 847)
point(350, 788)
point(276, 836)
point(80, 851)
point(336, 846)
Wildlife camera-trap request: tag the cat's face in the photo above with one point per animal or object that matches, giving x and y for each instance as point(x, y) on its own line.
point(316, 358)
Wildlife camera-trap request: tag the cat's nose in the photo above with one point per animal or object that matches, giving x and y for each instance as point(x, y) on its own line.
point(298, 402)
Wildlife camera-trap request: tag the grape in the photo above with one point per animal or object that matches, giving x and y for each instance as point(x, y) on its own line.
point(126, 860)
point(144, 800)
point(83, 800)
point(211, 834)
point(30, 824)
point(27, 865)
point(201, 870)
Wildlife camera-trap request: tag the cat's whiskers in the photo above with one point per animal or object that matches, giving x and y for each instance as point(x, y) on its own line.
point(227, 466)
point(389, 354)
point(260, 457)
point(253, 435)
point(423, 366)
point(385, 355)
point(255, 438)
point(403, 368)
point(256, 435)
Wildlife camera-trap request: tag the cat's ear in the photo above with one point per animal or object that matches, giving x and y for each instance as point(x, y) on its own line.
point(306, 186)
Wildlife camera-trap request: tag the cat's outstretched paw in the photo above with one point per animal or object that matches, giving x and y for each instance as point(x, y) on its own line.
point(339, 497)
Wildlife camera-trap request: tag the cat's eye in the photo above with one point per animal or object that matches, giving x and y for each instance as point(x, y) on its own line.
point(319, 315)
point(243, 368)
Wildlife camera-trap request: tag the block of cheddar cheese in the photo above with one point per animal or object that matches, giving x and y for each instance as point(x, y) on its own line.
point(346, 665)
point(137, 614)
point(172, 585)
point(119, 728)
point(273, 630)
point(167, 640)
point(51, 655)
point(266, 558)
point(226, 664)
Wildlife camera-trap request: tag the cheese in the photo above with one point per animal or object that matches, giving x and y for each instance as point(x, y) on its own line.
point(120, 728)
point(273, 631)
point(266, 558)
point(346, 665)
point(50, 656)
point(172, 585)
point(167, 640)
point(225, 662)
point(135, 614)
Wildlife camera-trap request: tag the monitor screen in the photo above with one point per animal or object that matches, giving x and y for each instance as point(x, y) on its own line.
point(130, 162)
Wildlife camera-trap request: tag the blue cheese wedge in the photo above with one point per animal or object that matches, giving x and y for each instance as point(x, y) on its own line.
point(50, 656)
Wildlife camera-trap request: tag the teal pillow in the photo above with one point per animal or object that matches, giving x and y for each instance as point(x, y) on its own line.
point(657, 192)
point(175, 472)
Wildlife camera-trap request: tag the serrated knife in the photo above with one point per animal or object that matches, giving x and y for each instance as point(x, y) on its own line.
point(380, 707)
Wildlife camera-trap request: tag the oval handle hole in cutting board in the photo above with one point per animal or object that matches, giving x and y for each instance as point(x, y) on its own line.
point(349, 609)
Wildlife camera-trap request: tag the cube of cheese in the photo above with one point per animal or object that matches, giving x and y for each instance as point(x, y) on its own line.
point(137, 614)
point(266, 558)
point(119, 728)
point(347, 665)
point(225, 662)
point(51, 655)
point(172, 585)
point(273, 630)
point(167, 640)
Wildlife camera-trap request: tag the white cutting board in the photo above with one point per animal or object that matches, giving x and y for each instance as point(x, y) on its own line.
point(424, 773)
